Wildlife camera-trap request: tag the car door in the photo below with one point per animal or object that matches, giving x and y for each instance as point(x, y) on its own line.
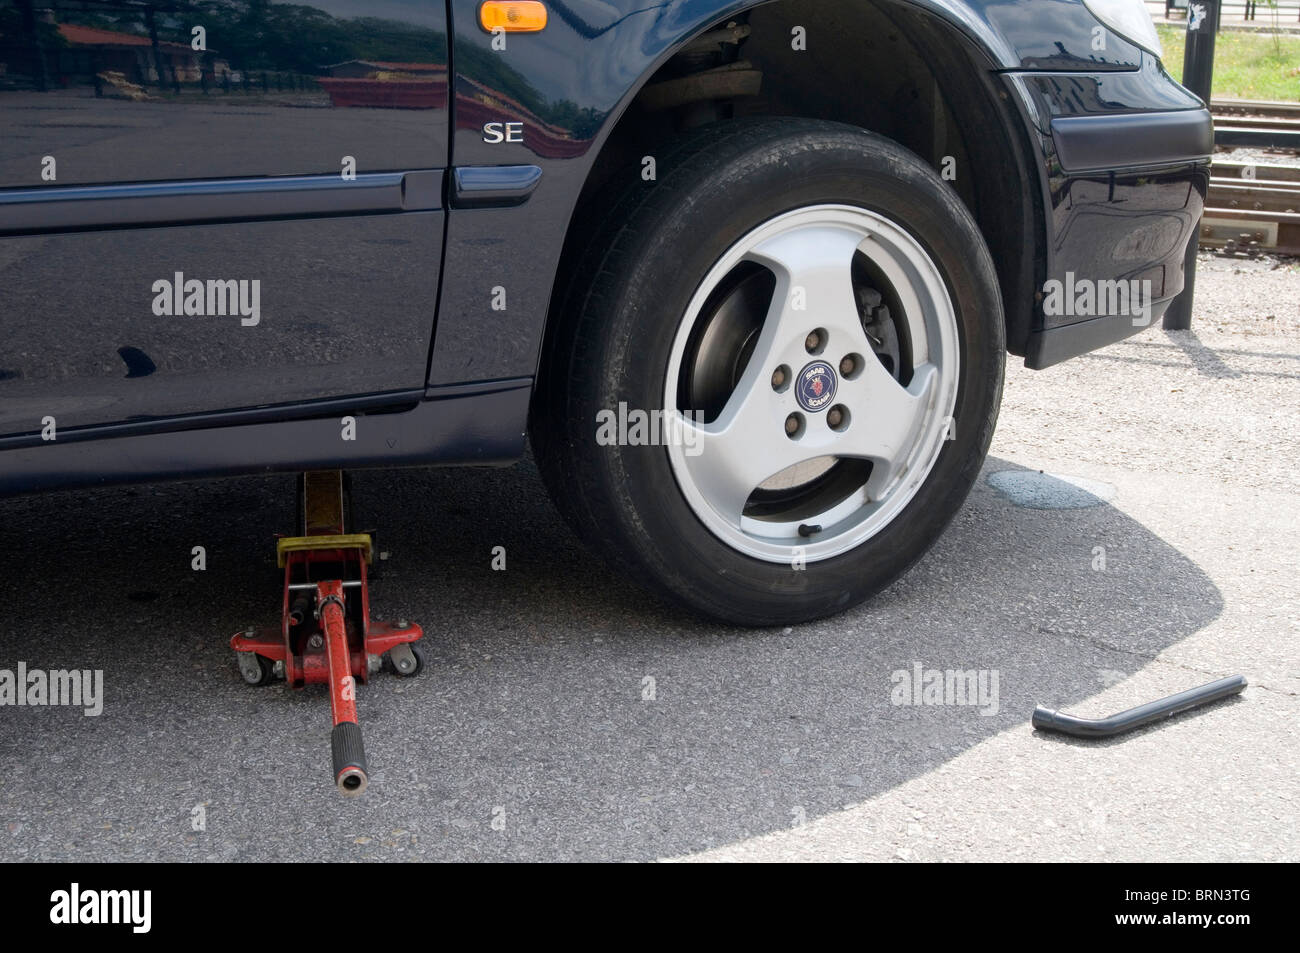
point(215, 207)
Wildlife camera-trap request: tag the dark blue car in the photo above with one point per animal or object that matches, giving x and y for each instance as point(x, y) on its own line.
point(745, 273)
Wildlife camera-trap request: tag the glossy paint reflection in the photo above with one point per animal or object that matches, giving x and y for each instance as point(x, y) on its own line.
point(207, 100)
point(117, 92)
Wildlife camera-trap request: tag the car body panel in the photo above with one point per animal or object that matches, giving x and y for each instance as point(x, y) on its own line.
point(568, 86)
point(257, 173)
point(1128, 217)
point(461, 426)
point(358, 273)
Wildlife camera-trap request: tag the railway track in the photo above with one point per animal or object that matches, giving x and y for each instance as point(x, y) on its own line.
point(1254, 207)
point(1257, 132)
point(1255, 107)
point(1256, 124)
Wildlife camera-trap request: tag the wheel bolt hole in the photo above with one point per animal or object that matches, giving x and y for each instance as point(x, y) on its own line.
point(837, 418)
point(851, 366)
point(815, 343)
point(794, 426)
point(781, 379)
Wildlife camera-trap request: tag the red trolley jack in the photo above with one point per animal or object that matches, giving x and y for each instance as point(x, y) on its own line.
point(326, 635)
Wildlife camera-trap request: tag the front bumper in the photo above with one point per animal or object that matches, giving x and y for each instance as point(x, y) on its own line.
point(1125, 166)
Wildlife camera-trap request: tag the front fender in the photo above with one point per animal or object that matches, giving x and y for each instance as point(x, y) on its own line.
point(566, 88)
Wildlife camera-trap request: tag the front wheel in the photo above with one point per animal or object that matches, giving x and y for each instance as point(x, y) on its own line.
point(777, 371)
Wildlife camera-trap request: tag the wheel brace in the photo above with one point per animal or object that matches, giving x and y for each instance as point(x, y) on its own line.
point(326, 635)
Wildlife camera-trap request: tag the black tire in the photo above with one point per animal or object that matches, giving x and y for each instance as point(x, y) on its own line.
point(629, 291)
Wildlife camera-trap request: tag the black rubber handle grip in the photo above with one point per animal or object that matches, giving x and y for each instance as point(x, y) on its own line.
point(349, 757)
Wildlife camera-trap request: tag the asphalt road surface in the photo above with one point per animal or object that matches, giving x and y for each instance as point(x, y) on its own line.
point(567, 715)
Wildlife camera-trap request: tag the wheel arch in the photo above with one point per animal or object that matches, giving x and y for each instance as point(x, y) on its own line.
point(981, 121)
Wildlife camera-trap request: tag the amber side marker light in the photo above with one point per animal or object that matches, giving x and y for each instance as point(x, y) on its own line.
point(525, 16)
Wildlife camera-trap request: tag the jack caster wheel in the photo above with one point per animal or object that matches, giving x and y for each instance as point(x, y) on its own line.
point(255, 669)
point(406, 659)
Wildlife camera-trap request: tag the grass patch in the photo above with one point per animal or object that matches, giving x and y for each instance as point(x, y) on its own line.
point(1246, 65)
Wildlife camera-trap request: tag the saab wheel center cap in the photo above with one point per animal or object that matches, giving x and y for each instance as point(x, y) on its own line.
point(815, 388)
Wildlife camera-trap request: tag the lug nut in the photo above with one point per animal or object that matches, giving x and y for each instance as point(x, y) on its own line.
point(834, 417)
point(778, 378)
point(847, 365)
point(813, 342)
point(792, 424)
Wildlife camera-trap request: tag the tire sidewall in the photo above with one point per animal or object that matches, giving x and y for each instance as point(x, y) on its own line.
point(664, 265)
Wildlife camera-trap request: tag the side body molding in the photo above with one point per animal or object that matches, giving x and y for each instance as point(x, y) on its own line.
point(76, 208)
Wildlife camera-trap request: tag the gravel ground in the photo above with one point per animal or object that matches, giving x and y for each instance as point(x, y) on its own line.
point(566, 715)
